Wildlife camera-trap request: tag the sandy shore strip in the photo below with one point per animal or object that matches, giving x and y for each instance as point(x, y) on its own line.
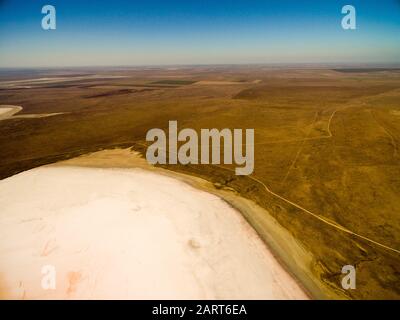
point(128, 233)
point(28, 83)
point(9, 111)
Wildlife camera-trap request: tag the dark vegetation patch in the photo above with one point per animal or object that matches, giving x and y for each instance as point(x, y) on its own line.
point(116, 93)
point(174, 82)
point(155, 86)
point(66, 84)
point(365, 70)
point(295, 94)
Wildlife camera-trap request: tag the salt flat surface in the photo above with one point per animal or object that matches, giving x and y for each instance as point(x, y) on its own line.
point(129, 234)
point(5, 110)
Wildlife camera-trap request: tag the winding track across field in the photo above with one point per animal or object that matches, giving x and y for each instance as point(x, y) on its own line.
point(316, 216)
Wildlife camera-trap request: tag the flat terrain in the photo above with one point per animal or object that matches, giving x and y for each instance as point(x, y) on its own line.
point(113, 241)
point(326, 156)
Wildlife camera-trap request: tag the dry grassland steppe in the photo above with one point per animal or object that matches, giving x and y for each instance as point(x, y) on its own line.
point(327, 150)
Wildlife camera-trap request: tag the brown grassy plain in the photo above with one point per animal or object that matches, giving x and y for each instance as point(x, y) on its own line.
point(327, 142)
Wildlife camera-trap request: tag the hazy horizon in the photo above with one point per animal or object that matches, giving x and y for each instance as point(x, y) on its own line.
point(293, 65)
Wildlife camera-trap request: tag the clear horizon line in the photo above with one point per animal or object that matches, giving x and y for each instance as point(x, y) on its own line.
point(321, 64)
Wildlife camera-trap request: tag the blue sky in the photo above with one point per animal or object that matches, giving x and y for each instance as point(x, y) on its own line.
point(156, 32)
